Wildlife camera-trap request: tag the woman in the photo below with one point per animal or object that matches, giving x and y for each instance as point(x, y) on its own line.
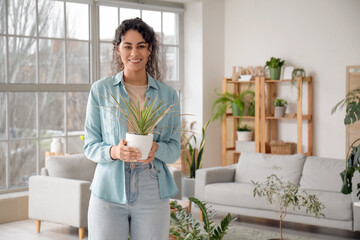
point(130, 197)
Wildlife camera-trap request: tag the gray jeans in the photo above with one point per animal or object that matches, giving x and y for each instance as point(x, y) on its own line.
point(145, 216)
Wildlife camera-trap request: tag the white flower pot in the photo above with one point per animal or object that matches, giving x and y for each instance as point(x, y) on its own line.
point(244, 135)
point(188, 187)
point(142, 142)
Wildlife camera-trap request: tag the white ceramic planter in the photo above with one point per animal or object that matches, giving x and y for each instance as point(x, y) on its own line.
point(244, 135)
point(142, 142)
point(188, 187)
point(279, 111)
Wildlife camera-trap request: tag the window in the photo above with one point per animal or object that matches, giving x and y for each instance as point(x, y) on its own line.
point(50, 53)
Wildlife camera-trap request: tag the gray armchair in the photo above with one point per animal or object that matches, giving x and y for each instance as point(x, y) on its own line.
point(61, 193)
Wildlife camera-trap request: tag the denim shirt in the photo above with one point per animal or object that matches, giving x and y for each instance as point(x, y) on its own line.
point(103, 129)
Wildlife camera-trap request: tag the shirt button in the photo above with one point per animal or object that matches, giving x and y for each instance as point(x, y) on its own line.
point(158, 171)
point(132, 165)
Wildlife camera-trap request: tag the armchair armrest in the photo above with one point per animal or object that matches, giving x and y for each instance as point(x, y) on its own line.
point(212, 175)
point(59, 200)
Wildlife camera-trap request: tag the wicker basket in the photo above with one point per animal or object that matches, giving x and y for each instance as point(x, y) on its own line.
point(282, 148)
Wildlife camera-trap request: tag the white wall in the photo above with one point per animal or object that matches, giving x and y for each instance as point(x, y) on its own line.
point(322, 36)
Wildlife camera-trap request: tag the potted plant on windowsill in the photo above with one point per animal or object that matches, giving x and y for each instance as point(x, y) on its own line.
point(274, 65)
point(352, 102)
point(280, 107)
point(140, 119)
point(285, 195)
point(193, 155)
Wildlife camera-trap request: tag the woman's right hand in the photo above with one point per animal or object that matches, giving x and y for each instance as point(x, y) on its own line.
point(125, 153)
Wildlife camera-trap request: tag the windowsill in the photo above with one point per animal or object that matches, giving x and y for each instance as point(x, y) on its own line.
point(14, 195)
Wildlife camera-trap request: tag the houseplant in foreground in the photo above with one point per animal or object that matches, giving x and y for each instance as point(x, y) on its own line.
point(141, 120)
point(274, 65)
point(184, 226)
point(352, 102)
point(285, 195)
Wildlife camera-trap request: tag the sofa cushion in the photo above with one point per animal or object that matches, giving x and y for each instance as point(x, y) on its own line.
point(337, 205)
point(236, 195)
point(322, 174)
point(257, 166)
point(75, 166)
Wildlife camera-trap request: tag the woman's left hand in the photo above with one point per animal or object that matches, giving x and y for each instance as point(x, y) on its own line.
point(151, 156)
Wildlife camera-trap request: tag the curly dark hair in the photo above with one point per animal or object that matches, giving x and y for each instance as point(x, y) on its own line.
point(148, 33)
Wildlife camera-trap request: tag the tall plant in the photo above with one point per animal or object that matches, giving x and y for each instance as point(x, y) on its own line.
point(185, 227)
point(285, 195)
point(352, 103)
point(195, 157)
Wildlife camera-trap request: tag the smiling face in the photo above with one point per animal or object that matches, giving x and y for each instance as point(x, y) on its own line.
point(133, 51)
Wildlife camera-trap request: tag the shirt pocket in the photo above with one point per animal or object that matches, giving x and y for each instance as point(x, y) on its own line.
point(110, 122)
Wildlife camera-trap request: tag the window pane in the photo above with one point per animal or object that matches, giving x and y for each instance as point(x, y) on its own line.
point(22, 112)
point(170, 23)
point(78, 62)
point(22, 162)
point(22, 17)
point(51, 61)
point(126, 13)
point(2, 165)
point(2, 16)
point(44, 147)
point(106, 50)
point(2, 115)
point(153, 18)
point(76, 111)
point(51, 18)
point(75, 145)
point(51, 110)
point(22, 60)
point(108, 22)
point(2, 60)
point(77, 21)
point(170, 56)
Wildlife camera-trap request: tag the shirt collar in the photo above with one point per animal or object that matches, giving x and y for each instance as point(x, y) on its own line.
point(119, 78)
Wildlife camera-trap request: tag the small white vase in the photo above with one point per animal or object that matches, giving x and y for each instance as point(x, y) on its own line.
point(244, 135)
point(56, 145)
point(142, 142)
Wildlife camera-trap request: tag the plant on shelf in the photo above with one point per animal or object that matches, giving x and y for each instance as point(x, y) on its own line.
point(280, 107)
point(274, 65)
point(352, 103)
point(185, 226)
point(285, 195)
point(141, 119)
point(236, 101)
point(244, 128)
point(244, 133)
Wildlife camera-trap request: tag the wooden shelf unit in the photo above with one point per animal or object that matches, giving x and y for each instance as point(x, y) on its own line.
point(265, 124)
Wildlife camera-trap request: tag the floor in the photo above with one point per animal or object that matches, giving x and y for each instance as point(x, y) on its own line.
point(25, 230)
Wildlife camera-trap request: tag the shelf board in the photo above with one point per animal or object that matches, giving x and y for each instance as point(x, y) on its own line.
point(244, 117)
point(305, 117)
point(236, 82)
point(268, 80)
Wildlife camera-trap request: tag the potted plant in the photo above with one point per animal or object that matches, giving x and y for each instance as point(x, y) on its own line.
point(274, 65)
point(352, 102)
point(285, 195)
point(244, 133)
point(185, 226)
point(193, 155)
point(236, 101)
point(141, 119)
point(280, 107)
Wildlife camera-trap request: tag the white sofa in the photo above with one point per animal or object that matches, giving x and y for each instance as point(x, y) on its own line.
point(61, 193)
point(229, 189)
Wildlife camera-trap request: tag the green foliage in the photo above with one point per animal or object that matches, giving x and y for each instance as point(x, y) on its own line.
point(251, 110)
point(352, 102)
point(194, 162)
point(141, 119)
point(285, 195)
point(244, 128)
point(185, 227)
point(278, 102)
point(227, 99)
point(275, 63)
